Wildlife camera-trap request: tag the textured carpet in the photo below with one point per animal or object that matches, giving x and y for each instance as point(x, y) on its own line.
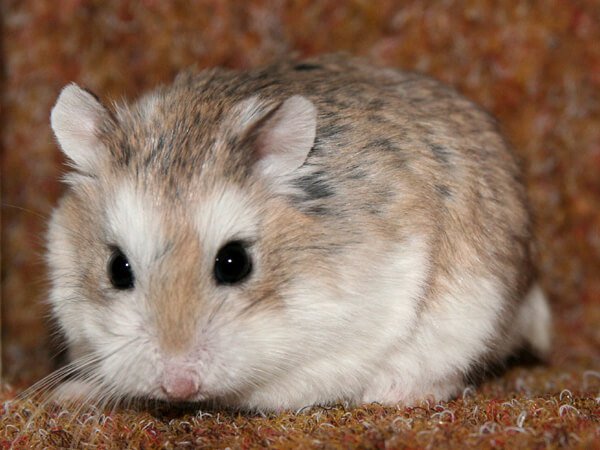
point(525, 409)
point(534, 64)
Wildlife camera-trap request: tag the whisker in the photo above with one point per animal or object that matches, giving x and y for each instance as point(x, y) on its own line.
point(58, 375)
point(24, 209)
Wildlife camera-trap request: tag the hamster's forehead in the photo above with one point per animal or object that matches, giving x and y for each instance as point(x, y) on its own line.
point(146, 224)
point(173, 135)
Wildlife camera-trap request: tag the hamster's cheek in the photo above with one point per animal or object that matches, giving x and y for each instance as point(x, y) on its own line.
point(244, 354)
point(125, 347)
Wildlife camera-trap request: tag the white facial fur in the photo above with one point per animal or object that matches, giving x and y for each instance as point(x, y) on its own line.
point(135, 225)
point(115, 329)
point(226, 214)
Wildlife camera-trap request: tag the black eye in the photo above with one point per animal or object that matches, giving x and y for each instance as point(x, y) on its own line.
point(232, 263)
point(119, 271)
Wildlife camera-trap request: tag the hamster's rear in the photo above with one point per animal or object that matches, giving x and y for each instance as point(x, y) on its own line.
point(305, 233)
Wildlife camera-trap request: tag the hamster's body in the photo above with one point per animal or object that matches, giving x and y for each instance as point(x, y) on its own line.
point(382, 214)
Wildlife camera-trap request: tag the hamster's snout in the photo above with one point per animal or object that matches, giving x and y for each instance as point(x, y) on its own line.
point(179, 383)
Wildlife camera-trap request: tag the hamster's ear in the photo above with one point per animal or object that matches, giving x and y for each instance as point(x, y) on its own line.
point(281, 137)
point(75, 120)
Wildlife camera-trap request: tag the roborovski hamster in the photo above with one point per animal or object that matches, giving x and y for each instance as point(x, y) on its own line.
point(306, 233)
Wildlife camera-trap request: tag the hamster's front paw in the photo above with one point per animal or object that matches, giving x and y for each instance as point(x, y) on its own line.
point(390, 390)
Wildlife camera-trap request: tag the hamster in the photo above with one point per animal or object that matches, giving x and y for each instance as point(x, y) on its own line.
point(307, 233)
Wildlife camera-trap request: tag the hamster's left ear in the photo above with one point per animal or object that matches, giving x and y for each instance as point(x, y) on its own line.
point(75, 119)
point(281, 135)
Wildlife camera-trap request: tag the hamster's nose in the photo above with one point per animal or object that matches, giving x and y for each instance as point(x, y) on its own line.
point(179, 384)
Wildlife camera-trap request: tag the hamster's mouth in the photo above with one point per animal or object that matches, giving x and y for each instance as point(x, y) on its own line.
point(159, 399)
point(196, 398)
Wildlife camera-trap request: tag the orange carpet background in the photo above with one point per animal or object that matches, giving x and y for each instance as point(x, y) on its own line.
point(534, 64)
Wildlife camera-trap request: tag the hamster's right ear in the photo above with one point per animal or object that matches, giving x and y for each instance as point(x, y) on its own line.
point(76, 119)
point(280, 134)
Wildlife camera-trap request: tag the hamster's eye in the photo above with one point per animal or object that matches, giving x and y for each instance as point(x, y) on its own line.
point(119, 271)
point(232, 263)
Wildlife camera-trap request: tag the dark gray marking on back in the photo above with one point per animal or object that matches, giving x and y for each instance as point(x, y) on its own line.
point(443, 190)
point(316, 150)
point(123, 154)
point(315, 185)
point(160, 144)
point(356, 173)
point(441, 153)
point(399, 158)
point(384, 144)
point(333, 130)
point(376, 118)
point(318, 210)
point(375, 104)
point(261, 76)
point(307, 67)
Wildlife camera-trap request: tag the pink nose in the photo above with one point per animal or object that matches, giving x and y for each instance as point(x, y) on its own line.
point(180, 383)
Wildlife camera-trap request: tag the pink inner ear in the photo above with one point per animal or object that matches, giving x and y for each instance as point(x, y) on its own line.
point(285, 138)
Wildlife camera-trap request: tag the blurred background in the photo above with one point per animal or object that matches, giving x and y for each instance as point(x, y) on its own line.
point(534, 64)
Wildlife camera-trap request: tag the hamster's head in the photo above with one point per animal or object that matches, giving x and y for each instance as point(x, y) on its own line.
point(174, 251)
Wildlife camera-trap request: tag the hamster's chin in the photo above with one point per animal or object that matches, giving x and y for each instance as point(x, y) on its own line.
point(161, 397)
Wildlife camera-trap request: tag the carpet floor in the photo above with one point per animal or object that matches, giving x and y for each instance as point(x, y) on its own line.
point(527, 408)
